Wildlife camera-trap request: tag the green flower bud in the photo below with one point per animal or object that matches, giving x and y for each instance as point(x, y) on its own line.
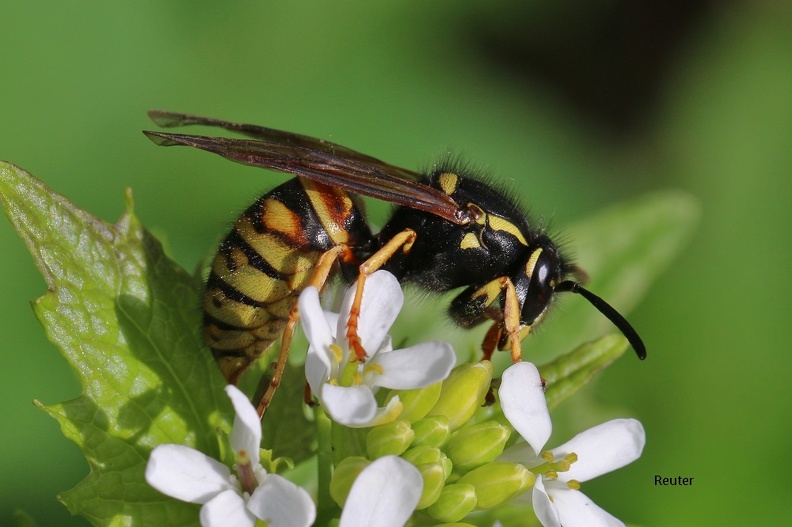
point(344, 476)
point(455, 502)
point(431, 431)
point(422, 455)
point(416, 403)
point(463, 393)
point(476, 445)
point(434, 476)
point(391, 438)
point(497, 483)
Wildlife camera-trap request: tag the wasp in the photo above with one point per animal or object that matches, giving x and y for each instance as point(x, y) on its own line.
point(450, 230)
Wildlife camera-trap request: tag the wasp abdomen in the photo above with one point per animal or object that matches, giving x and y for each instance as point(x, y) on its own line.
point(264, 263)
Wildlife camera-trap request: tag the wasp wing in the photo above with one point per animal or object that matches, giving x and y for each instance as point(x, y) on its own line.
point(322, 162)
point(167, 119)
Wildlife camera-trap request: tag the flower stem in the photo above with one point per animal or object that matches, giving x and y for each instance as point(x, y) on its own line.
point(326, 508)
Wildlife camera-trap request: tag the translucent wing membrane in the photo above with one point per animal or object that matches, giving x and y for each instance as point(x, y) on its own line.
point(314, 159)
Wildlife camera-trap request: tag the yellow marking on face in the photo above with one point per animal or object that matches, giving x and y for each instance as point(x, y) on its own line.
point(529, 267)
point(332, 205)
point(470, 241)
point(501, 224)
point(448, 182)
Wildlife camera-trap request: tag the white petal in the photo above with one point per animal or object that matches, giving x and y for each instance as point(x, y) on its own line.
point(577, 510)
point(603, 448)
point(524, 404)
point(387, 345)
point(384, 494)
point(388, 413)
point(314, 324)
point(228, 508)
point(281, 503)
point(350, 406)
point(544, 509)
point(332, 321)
point(186, 474)
point(246, 432)
point(316, 370)
point(413, 367)
point(382, 301)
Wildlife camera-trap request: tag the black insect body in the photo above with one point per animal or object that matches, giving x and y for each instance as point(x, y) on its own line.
point(450, 231)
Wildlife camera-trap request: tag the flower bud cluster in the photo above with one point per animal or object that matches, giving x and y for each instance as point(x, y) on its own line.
point(454, 453)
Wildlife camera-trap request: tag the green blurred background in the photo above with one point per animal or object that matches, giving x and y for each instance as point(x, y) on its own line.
point(582, 104)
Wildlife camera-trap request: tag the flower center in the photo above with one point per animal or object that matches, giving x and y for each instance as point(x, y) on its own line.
point(553, 466)
point(350, 375)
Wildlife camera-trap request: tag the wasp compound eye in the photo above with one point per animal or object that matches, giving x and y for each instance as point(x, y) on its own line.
point(534, 285)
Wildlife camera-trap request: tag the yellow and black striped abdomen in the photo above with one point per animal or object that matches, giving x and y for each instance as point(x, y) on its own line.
point(264, 263)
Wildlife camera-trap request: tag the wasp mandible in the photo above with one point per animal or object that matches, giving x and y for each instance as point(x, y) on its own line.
point(449, 231)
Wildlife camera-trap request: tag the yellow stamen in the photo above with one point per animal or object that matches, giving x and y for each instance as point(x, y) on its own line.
point(338, 353)
point(376, 368)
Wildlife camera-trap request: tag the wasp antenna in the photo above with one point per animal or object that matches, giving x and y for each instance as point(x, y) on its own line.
point(610, 313)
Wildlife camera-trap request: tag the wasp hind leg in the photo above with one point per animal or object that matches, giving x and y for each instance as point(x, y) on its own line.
point(318, 279)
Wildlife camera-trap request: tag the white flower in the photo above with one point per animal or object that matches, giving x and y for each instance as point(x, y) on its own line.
point(384, 494)
point(345, 386)
point(599, 450)
point(189, 475)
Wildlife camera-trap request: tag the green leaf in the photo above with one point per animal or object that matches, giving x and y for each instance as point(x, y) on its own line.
point(23, 519)
point(126, 318)
point(570, 372)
